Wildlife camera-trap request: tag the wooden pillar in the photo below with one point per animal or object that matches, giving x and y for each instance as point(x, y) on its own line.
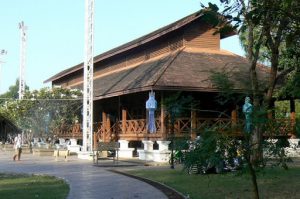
point(293, 117)
point(292, 105)
point(124, 119)
point(108, 126)
point(233, 118)
point(104, 116)
point(95, 141)
point(162, 118)
point(193, 124)
point(270, 114)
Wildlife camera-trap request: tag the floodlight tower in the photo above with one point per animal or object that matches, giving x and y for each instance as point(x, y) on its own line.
point(2, 52)
point(23, 35)
point(88, 77)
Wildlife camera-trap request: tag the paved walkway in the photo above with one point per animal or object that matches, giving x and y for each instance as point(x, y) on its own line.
point(86, 181)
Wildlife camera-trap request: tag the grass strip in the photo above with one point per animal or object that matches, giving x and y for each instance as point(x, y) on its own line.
point(25, 186)
point(273, 183)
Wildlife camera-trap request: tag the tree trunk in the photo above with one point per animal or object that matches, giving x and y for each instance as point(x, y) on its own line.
point(253, 179)
point(256, 135)
point(272, 78)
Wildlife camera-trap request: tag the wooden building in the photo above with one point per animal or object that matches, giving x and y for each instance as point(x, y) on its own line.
point(181, 56)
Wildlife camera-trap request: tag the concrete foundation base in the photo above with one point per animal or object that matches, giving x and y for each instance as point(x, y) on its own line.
point(294, 149)
point(124, 151)
point(160, 155)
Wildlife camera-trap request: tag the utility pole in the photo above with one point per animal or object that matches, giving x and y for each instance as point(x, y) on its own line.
point(23, 35)
point(88, 77)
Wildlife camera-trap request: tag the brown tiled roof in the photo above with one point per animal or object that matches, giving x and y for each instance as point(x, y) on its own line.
point(135, 43)
point(186, 69)
point(193, 70)
point(138, 78)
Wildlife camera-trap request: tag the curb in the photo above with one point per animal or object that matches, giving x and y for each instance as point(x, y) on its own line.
point(168, 191)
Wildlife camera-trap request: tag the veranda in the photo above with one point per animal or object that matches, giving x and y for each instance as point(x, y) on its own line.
point(124, 119)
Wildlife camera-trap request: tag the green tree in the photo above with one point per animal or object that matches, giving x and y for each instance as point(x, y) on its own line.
point(271, 28)
point(270, 25)
point(12, 93)
point(42, 111)
point(175, 105)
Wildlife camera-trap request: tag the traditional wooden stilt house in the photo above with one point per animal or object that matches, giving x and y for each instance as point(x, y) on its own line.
point(181, 57)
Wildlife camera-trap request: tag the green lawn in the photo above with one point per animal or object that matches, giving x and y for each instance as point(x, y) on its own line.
point(273, 183)
point(32, 186)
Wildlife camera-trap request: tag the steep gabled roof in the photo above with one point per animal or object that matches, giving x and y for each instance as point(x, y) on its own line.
point(135, 43)
point(185, 69)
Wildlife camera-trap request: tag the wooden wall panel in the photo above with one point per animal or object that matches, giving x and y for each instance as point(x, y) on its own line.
point(202, 36)
point(158, 50)
point(135, 58)
point(176, 43)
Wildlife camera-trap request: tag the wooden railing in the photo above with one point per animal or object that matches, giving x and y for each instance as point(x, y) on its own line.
point(105, 133)
point(69, 132)
point(137, 129)
point(135, 126)
point(216, 123)
point(279, 127)
point(182, 125)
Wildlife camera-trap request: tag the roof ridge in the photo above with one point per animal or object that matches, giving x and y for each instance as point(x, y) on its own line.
point(166, 65)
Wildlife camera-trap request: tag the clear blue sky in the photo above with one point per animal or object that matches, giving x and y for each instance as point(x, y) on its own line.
point(56, 32)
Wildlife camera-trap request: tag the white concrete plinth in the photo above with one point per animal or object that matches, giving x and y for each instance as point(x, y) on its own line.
point(161, 155)
point(85, 155)
point(73, 147)
point(123, 144)
point(73, 142)
point(154, 155)
point(145, 155)
point(62, 141)
point(148, 145)
point(124, 151)
point(294, 149)
point(163, 145)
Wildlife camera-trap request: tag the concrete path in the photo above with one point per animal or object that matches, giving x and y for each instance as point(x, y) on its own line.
point(86, 181)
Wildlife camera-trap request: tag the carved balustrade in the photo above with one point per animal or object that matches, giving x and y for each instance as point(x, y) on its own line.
point(135, 126)
point(67, 132)
point(138, 128)
point(279, 127)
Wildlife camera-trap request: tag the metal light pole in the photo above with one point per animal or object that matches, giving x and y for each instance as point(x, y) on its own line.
point(2, 52)
point(88, 77)
point(23, 35)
